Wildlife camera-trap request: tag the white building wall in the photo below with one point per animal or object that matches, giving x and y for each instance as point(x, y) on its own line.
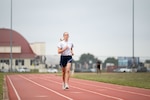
point(6, 49)
point(27, 63)
point(14, 66)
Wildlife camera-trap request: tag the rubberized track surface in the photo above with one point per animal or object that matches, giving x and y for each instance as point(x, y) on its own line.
point(49, 87)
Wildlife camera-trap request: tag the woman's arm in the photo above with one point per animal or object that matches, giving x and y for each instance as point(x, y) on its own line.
point(60, 50)
point(72, 51)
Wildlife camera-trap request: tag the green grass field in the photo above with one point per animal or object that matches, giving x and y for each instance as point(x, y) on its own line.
point(141, 80)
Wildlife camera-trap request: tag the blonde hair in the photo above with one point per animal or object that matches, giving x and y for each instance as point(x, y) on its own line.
point(61, 39)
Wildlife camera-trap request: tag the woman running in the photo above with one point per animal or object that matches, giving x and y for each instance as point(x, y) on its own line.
point(65, 48)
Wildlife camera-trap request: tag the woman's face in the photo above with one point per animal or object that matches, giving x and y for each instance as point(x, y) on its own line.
point(66, 36)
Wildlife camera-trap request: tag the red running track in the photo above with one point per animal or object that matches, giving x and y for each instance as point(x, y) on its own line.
point(49, 87)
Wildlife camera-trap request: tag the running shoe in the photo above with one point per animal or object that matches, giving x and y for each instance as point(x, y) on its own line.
point(63, 86)
point(66, 86)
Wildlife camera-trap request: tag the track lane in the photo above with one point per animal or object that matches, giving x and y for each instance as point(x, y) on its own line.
point(79, 90)
point(114, 92)
point(75, 92)
point(29, 91)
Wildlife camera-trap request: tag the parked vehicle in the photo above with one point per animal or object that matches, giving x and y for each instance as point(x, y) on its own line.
point(52, 70)
point(142, 69)
point(126, 70)
point(23, 69)
point(116, 70)
point(122, 70)
point(93, 69)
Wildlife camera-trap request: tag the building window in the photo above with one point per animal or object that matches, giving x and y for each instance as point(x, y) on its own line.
point(16, 62)
point(19, 62)
point(5, 61)
point(23, 62)
point(31, 62)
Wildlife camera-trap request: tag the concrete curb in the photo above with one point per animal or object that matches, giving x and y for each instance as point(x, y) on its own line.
point(5, 90)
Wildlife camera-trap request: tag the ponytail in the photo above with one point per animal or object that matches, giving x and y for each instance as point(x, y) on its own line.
point(61, 39)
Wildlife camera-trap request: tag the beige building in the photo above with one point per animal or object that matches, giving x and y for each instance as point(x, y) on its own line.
point(38, 48)
point(147, 65)
point(22, 54)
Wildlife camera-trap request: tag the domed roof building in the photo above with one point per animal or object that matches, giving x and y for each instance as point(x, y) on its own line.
point(22, 53)
point(17, 41)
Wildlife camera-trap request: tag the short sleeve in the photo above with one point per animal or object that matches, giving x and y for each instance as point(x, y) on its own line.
point(59, 45)
point(72, 45)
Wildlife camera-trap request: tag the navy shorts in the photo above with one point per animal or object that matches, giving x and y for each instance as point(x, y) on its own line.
point(64, 60)
point(98, 66)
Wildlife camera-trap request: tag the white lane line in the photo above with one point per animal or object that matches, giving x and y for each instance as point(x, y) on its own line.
point(115, 85)
point(116, 98)
point(18, 97)
point(97, 93)
point(135, 93)
point(47, 88)
point(120, 90)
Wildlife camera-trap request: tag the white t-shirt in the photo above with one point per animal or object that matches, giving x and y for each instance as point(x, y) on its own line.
point(63, 44)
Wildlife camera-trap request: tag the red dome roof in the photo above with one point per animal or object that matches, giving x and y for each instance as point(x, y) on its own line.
point(17, 40)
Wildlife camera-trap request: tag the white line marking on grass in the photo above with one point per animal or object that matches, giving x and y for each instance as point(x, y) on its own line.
point(47, 88)
point(116, 98)
point(18, 97)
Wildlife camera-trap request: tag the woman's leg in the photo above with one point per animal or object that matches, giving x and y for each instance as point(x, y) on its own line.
point(67, 72)
point(63, 74)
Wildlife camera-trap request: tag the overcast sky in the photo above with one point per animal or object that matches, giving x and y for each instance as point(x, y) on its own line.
point(100, 27)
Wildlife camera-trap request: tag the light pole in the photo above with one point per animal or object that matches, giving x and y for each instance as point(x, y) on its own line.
point(133, 61)
point(133, 29)
point(11, 62)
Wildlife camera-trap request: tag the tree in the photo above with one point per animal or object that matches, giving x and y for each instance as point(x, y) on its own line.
point(111, 60)
point(88, 58)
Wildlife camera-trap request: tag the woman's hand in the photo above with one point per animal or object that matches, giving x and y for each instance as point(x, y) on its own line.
point(72, 52)
point(66, 48)
point(60, 50)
